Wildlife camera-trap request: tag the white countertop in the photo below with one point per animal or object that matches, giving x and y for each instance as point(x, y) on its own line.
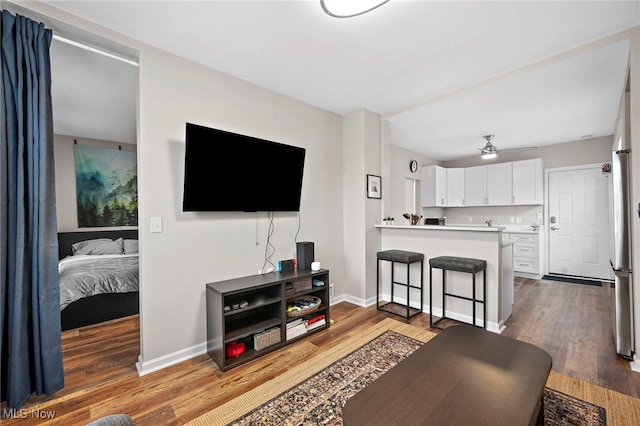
point(521, 229)
point(445, 227)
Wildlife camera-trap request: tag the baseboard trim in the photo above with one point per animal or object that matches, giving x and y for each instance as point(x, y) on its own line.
point(635, 364)
point(530, 275)
point(150, 366)
point(491, 326)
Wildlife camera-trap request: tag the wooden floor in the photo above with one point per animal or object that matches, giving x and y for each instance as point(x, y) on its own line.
point(572, 322)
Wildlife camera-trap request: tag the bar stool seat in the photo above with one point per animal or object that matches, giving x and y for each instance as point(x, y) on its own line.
point(400, 256)
point(458, 264)
point(407, 258)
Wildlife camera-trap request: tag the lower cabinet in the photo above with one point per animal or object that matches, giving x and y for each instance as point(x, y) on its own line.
point(250, 316)
point(527, 255)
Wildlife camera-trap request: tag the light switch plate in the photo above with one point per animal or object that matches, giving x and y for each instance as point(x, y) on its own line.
point(156, 224)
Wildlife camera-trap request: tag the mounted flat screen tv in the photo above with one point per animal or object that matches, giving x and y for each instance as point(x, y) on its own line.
point(227, 171)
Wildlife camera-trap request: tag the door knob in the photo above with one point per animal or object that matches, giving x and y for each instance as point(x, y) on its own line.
point(553, 228)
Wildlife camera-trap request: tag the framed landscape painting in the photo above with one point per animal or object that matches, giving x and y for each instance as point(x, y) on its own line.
point(106, 187)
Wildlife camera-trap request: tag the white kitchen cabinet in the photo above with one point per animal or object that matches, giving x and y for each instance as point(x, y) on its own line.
point(455, 187)
point(527, 182)
point(475, 186)
point(527, 255)
point(499, 184)
point(433, 186)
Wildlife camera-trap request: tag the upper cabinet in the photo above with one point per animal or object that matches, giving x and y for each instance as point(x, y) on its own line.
point(475, 186)
point(501, 184)
point(455, 187)
point(527, 182)
point(433, 186)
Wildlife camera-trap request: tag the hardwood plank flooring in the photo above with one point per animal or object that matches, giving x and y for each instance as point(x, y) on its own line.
point(571, 321)
point(575, 324)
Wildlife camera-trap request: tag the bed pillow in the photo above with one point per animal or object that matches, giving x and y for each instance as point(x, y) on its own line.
point(130, 246)
point(98, 246)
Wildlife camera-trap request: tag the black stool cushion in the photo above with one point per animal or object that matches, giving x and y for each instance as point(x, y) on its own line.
point(401, 256)
point(460, 264)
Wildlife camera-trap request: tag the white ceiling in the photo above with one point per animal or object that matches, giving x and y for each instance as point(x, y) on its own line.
point(442, 73)
point(93, 96)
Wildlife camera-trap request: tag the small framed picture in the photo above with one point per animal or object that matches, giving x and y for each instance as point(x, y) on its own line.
point(374, 187)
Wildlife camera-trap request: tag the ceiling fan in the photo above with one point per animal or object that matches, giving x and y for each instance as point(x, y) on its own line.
point(490, 151)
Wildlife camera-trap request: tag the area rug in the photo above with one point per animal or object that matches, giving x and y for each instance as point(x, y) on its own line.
point(571, 280)
point(318, 397)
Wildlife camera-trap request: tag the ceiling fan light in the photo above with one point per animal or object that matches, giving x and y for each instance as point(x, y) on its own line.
point(489, 155)
point(349, 8)
point(489, 151)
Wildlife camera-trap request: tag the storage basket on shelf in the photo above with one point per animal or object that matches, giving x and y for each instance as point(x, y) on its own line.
point(303, 306)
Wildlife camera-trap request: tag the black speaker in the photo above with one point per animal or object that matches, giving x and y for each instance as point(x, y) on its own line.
point(304, 250)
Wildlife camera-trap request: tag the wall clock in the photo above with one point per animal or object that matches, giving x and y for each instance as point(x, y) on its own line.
point(413, 166)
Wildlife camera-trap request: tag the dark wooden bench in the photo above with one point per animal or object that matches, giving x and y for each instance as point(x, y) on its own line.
point(463, 376)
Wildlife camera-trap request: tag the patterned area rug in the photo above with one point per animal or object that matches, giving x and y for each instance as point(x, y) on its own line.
point(320, 398)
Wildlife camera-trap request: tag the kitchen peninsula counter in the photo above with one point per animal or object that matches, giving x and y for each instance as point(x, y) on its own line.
point(475, 228)
point(478, 242)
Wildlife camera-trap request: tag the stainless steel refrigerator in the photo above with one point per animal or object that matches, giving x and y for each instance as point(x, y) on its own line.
point(621, 256)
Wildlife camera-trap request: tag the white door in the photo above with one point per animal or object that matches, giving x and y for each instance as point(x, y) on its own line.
point(578, 223)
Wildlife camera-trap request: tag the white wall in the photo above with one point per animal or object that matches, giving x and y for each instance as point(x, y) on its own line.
point(66, 205)
point(196, 248)
point(354, 170)
point(400, 158)
point(362, 156)
point(373, 206)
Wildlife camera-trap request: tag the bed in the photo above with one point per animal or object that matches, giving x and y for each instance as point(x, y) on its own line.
point(97, 286)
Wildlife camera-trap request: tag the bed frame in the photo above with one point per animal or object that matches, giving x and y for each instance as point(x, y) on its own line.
point(101, 307)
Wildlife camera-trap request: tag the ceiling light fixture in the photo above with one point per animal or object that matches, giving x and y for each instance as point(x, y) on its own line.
point(350, 8)
point(489, 151)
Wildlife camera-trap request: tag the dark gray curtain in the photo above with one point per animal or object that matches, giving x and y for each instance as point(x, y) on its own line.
point(30, 305)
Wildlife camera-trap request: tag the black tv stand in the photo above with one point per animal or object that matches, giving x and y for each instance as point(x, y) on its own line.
point(256, 313)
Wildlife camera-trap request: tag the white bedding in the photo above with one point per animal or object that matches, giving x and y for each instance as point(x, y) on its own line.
point(87, 275)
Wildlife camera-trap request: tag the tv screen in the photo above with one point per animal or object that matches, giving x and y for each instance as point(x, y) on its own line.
point(226, 171)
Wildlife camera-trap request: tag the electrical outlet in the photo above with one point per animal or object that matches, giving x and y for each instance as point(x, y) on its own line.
point(518, 220)
point(539, 216)
point(512, 219)
point(330, 290)
point(470, 219)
